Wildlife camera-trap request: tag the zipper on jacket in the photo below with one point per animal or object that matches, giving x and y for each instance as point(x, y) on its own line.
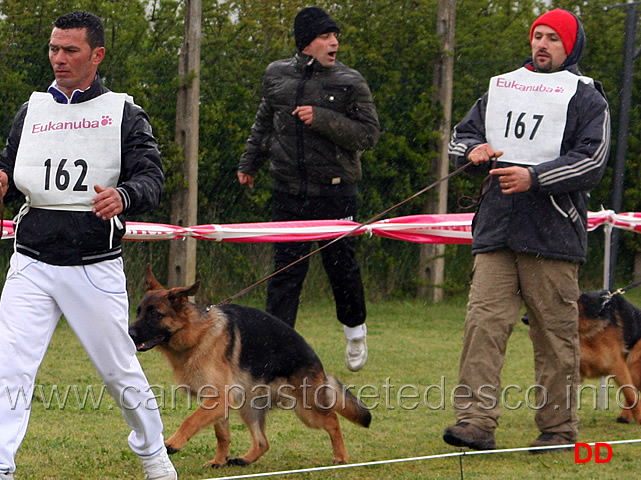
point(300, 127)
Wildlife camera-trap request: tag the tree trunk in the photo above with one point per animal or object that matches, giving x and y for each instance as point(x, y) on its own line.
point(432, 261)
point(184, 211)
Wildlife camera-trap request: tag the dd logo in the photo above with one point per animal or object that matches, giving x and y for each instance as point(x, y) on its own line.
point(597, 451)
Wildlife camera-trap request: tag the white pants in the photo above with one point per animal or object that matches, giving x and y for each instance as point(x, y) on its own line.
point(93, 299)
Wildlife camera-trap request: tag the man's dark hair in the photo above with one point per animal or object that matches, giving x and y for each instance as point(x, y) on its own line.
point(82, 19)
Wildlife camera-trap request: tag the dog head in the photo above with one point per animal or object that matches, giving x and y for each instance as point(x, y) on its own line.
point(596, 304)
point(161, 313)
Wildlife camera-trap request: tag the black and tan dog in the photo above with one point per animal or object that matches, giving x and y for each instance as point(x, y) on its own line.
point(609, 334)
point(239, 358)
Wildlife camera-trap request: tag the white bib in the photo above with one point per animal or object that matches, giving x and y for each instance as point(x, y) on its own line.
point(527, 114)
point(66, 149)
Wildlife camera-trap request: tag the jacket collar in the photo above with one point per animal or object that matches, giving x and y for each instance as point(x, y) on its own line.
point(308, 62)
point(96, 89)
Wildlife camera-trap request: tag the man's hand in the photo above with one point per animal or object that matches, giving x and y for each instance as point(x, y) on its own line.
point(513, 179)
point(245, 179)
point(305, 113)
point(483, 153)
point(108, 202)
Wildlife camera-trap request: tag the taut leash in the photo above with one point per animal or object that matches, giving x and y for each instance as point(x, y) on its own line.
point(364, 224)
point(621, 291)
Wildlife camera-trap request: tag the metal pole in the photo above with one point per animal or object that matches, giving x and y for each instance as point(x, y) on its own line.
point(612, 234)
point(616, 200)
point(607, 230)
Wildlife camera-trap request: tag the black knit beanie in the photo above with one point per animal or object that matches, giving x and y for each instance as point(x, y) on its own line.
point(310, 23)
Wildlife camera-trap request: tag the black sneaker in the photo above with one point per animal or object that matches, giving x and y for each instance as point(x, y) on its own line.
point(551, 440)
point(464, 434)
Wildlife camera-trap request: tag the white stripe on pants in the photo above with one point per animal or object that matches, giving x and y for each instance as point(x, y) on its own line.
point(93, 299)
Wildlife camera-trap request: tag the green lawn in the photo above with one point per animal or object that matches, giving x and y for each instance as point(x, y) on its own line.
point(414, 349)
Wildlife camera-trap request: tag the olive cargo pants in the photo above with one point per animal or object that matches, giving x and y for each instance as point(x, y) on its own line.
point(502, 281)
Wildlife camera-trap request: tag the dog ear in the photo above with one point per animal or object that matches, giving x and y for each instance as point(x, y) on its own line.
point(193, 289)
point(150, 280)
point(180, 294)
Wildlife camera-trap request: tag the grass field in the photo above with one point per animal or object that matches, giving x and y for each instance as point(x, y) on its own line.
point(414, 349)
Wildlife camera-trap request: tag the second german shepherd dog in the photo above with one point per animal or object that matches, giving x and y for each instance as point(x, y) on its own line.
point(609, 333)
point(240, 358)
point(609, 339)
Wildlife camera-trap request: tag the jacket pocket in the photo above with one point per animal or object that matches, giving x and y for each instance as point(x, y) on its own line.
point(336, 97)
point(565, 206)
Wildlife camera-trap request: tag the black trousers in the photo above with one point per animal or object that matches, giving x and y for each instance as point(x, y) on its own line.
point(339, 259)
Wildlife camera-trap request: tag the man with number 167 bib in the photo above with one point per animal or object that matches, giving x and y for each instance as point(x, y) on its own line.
point(542, 133)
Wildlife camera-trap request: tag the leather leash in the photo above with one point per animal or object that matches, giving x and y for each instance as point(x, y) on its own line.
point(485, 187)
point(621, 291)
point(371, 220)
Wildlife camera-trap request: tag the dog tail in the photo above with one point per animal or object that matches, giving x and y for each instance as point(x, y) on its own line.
point(348, 405)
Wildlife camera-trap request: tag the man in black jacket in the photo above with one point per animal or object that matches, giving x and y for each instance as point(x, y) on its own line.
point(315, 119)
point(542, 133)
point(82, 157)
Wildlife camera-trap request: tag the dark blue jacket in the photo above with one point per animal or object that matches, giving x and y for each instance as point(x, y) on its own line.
point(551, 218)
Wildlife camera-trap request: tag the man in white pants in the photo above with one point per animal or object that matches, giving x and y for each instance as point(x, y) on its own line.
point(82, 157)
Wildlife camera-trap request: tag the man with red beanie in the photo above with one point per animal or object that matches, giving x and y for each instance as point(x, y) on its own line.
point(542, 134)
point(316, 118)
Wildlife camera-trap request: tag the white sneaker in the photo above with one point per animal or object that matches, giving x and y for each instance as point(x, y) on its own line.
point(159, 467)
point(356, 350)
point(6, 476)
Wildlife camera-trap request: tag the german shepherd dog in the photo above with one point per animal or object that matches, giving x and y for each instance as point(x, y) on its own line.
point(609, 333)
point(234, 357)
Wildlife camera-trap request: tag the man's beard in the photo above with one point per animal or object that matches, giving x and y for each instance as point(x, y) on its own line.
point(545, 68)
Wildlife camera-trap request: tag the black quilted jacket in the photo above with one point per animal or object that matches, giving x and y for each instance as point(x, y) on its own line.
point(318, 160)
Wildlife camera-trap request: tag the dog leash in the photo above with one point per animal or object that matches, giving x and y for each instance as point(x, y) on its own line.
point(485, 187)
point(364, 224)
point(621, 291)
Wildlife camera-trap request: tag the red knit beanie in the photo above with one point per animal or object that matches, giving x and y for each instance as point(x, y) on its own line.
point(563, 23)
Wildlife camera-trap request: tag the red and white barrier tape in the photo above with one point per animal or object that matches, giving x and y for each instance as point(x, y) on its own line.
point(450, 228)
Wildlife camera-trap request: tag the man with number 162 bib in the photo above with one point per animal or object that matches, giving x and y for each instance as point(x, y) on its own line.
point(542, 133)
point(82, 157)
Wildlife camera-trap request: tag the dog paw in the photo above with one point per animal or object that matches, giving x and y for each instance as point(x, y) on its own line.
point(171, 450)
point(238, 462)
point(339, 461)
point(213, 464)
point(623, 419)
